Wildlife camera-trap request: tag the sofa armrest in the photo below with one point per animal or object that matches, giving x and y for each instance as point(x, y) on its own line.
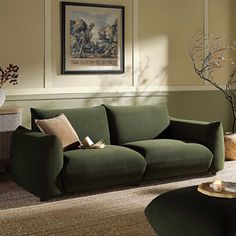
point(209, 134)
point(36, 162)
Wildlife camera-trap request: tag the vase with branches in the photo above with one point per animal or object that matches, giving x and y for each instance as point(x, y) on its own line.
point(10, 74)
point(208, 54)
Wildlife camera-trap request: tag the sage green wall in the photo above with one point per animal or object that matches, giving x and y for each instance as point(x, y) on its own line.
point(202, 105)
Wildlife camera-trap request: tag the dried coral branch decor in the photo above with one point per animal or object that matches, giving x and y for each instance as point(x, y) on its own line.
point(10, 74)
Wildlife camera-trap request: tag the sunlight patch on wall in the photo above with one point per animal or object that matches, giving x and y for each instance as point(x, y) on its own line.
point(153, 61)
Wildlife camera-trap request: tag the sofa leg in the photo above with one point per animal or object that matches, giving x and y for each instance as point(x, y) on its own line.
point(212, 173)
point(43, 199)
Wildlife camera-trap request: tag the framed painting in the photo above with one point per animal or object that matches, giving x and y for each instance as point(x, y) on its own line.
point(92, 37)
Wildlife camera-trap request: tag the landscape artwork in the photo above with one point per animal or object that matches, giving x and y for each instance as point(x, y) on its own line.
point(92, 38)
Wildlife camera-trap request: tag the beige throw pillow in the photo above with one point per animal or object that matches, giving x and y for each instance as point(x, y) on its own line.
point(61, 127)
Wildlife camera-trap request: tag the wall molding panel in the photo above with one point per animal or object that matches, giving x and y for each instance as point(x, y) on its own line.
point(47, 43)
point(49, 88)
point(68, 93)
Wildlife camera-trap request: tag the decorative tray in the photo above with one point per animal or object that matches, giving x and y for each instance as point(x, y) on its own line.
point(206, 188)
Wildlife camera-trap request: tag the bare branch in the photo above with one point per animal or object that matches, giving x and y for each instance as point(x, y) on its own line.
point(208, 55)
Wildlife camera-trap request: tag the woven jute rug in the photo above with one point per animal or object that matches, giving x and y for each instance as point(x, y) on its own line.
point(116, 211)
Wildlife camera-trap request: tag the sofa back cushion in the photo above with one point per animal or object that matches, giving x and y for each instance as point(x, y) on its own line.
point(135, 123)
point(90, 121)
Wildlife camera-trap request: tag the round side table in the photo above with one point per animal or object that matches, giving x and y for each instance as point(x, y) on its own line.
point(187, 212)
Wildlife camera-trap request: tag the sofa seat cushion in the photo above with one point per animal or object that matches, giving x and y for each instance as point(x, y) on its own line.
point(168, 157)
point(94, 168)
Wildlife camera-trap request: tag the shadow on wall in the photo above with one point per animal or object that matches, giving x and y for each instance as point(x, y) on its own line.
point(136, 97)
point(158, 79)
point(142, 93)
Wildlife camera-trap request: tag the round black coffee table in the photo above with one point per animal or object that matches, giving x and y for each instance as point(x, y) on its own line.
point(187, 212)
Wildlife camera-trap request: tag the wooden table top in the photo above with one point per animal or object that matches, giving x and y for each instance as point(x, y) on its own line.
point(207, 190)
point(10, 110)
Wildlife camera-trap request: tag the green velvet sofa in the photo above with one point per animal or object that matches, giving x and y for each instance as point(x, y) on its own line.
point(142, 144)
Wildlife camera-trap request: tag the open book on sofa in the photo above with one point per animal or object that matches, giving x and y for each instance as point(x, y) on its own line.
point(87, 143)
